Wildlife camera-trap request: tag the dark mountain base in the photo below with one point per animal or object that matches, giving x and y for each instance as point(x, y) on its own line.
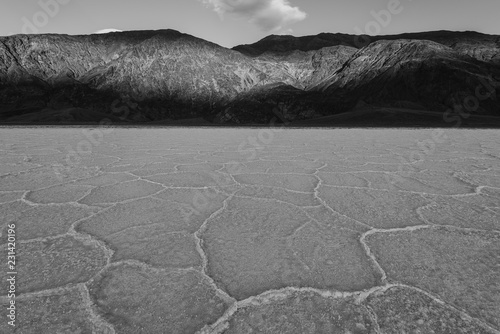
point(364, 118)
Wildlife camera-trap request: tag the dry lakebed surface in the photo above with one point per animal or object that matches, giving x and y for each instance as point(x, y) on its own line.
point(256, 230)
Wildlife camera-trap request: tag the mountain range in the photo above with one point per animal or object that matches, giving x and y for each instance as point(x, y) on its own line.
point(165, 76)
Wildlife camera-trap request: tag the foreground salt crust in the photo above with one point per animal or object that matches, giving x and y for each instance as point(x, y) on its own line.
point(308, 231)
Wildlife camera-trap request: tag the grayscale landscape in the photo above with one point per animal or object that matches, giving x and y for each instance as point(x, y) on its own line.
point(249, 167)
point(256, 230)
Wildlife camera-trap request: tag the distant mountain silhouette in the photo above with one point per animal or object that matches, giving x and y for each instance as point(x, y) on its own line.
point(161, 76)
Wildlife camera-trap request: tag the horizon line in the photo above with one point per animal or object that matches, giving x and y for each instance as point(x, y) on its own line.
point(267, 36)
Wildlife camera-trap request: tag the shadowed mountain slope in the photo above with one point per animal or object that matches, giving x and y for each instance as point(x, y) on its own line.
point(477, 45)
point(152, 76)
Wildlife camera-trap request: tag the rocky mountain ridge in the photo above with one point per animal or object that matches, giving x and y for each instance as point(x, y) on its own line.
point(167, 75)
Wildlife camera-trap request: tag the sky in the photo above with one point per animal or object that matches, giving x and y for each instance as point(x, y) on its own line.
point(233, 22)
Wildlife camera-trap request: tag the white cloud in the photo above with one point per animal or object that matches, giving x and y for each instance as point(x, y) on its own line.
point(105, 31)
point(269, 15)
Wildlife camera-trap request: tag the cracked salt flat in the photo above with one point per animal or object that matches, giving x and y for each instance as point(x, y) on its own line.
point(325, 231)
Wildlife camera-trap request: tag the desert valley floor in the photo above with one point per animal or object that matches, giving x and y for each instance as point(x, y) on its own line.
point(252, 230)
